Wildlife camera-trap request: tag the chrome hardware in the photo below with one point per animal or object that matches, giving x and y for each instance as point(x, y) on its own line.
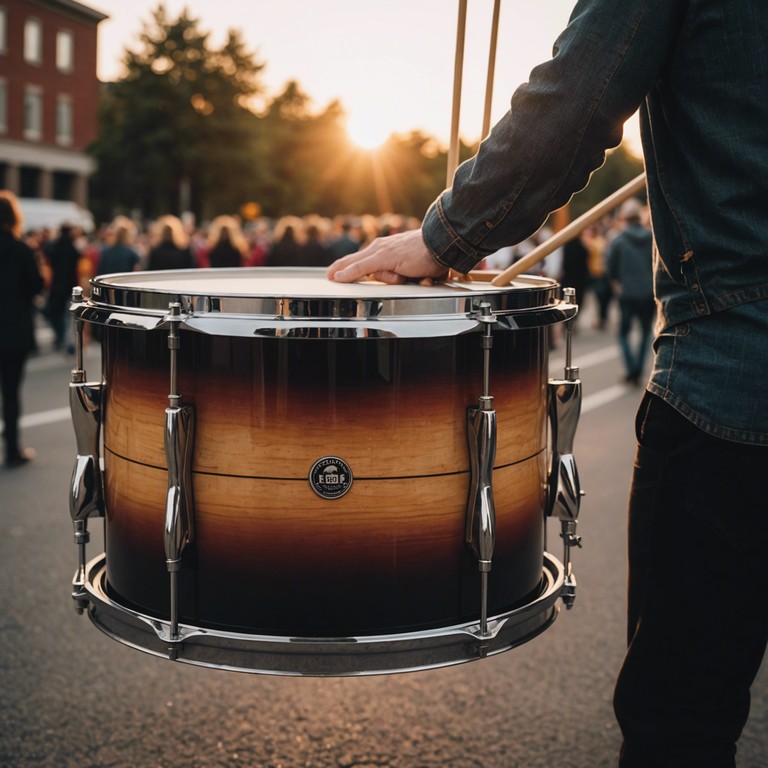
point(564, 488)
point(480, 533)
point(179, 439)
point(273, 302)
point(86, 496)
point(324, 657)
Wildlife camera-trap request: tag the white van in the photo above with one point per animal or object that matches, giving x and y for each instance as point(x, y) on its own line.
point(51, 214)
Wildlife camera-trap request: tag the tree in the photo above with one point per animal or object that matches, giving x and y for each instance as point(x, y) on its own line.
point(176, 132)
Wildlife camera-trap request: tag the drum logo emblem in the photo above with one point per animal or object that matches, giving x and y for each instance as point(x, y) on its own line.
point(330, 477)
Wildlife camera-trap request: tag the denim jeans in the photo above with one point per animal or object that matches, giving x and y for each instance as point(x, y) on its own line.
point(697, 618)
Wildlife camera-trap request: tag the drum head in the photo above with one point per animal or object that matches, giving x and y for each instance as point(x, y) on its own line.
point(303, 302)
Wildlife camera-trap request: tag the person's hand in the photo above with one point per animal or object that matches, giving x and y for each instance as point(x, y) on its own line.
point(394, 259)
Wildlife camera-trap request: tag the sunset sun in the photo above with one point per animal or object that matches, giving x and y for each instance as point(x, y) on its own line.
point(367, 132)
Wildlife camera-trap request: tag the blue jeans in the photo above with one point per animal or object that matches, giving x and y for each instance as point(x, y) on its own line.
point(697, 618)
point(642, 310)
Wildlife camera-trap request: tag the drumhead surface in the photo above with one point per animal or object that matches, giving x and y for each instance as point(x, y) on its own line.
point(265, 301)
point(301, 282)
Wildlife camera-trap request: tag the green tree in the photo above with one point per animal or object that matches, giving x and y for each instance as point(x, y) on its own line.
point(298, 144)
point(176, 132)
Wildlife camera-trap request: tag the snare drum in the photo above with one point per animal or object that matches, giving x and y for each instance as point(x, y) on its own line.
point(328, 467)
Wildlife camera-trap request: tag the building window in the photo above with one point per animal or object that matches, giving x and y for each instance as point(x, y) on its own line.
point(33, 41)
point(64, 120)
point(65, 50)
point(3, 31)
point(29, 181)
point(33, 114)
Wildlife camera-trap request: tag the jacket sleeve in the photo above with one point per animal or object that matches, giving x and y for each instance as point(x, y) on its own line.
point(557, 129)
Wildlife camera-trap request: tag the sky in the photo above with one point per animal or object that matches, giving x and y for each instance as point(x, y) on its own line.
point(389, 62)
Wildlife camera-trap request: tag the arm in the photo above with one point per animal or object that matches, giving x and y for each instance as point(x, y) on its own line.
point(544, 149)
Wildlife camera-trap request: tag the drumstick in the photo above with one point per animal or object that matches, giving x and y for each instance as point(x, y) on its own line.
point(453, 155)
point(570, 231)
point(491, 69)
point(453, 150)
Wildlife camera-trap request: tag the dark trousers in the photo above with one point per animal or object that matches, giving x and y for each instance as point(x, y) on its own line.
point(697, 617)
point(11, 373)
point(642, 310)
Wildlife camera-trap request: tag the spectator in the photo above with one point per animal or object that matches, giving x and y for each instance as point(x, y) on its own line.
point(119, 255)
point(226, 245)
point(313, 251)
point(170, 248)
point(285, 250)
point(20, 282)
point(344, 244)
point(630, 267)
point(599, 282)
point(63, 260)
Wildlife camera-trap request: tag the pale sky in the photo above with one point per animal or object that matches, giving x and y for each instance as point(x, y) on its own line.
point(390, 62)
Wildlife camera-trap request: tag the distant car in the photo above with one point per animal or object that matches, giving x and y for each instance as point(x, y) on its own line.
point(51, 214)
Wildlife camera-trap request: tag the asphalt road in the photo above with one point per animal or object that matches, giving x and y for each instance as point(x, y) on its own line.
point(73, 697)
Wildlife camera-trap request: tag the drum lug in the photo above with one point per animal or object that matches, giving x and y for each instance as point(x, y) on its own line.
point(86, 497)
point(481, 513)
point(564, 487)
point(480, 533)
point(179, 440)
point(178, 531)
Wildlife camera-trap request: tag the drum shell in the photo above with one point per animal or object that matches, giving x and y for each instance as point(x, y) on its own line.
point(271, 556)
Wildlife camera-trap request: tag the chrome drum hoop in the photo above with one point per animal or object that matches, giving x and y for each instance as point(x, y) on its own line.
point(300, 302)
point(324, 657)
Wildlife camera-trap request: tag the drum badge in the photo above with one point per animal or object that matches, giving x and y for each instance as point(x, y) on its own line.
point(330, 477)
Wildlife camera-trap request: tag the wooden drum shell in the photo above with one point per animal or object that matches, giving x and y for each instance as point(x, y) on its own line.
point(271, 556)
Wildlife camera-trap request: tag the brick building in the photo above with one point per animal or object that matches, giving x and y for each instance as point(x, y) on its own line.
point(49, 94)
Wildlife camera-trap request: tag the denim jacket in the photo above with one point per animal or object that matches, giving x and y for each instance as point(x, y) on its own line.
point(698, 72)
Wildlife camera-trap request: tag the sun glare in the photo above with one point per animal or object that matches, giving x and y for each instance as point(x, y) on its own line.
point(367, 132)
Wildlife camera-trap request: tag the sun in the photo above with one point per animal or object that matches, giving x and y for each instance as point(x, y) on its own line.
point(367, 132)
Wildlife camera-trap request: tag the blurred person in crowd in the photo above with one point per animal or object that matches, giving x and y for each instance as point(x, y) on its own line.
point(343, 243)
point(63, 258)
point(574, 270)
point(226, 245)
point(119, 253)
point(285, 250)
point(170, 247)
point(698, 72)
point(20, 283)
point(630, 268)
point(198, 244)
point(258, 238)
point(314, 251)
point(599, 282)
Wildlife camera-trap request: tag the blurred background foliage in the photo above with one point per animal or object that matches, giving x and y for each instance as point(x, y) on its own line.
point(182, 132)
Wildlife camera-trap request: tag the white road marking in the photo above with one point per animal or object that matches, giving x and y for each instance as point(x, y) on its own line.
point(45, 417)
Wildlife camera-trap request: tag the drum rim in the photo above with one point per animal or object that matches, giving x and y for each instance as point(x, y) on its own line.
point(422, 311)
point(323, 657)
point(371, 291)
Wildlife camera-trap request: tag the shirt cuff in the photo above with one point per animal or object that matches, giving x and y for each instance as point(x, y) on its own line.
point(444, 243)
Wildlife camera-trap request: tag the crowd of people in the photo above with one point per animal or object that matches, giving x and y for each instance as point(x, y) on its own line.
point(170, 242)
point(68, 257)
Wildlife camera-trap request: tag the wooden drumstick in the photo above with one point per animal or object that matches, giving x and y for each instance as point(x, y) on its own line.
point(453, 152)
point(458, 69)
point(570, 231)
point(491, 69)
